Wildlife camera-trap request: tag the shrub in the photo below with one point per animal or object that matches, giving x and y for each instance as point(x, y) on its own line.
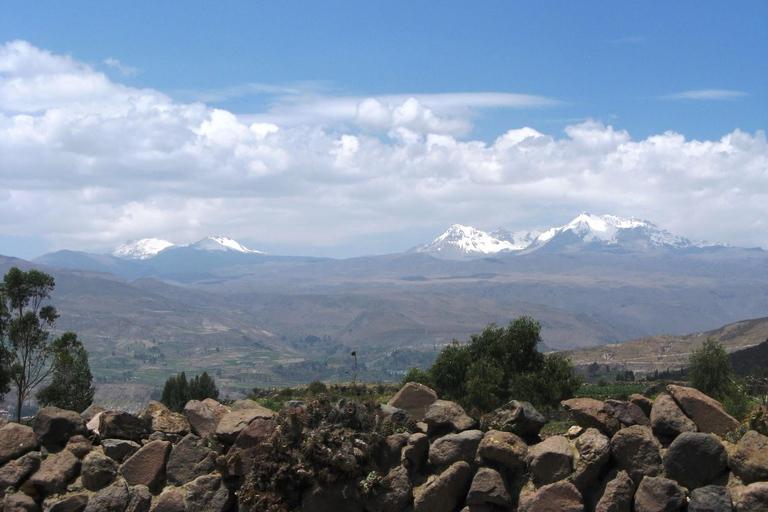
point(317, 388)
point(710, 370)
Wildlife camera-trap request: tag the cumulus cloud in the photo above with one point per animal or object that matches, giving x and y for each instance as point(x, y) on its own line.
point(122, 68)
point(87, 162)
point(706, 95)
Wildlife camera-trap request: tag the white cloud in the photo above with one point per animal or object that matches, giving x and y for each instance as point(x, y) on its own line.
point(87, 162)
point(122, 68)
point(706, 95)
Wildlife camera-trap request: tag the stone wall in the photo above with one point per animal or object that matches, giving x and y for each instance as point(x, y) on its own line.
point(640, 455)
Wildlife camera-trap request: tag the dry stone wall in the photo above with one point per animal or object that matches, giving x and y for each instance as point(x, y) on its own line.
point(640, 455)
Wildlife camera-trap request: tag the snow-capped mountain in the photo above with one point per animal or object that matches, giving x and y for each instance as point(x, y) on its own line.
point(610, 231)
point(465, 241)
point(585, 232)
point(141, 249)
point(221, 243)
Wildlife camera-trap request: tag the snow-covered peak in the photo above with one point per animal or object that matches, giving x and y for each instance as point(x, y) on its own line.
point(465, 241)
point(140, 249)
point(613, 230)
point(222, 243)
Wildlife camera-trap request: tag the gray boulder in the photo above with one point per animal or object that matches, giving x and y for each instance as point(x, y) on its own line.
point(139, 499)
point(750, 459)
point(637, 452)
point(444, 416)
point(232, 423)
point(15, 441)
point(707, 413)
point(488, 487)
point(75, 503)
point(627, 413)
point(695, 459)
point(170, 500)
point(119, 449)
point(657, 494)
point(246, 446)
point(98, 471)
point(56, 471)
point(551, 460)
point(616, 494)
point(19, 502)
point(207, 493)
point(754, 498)
point(91, 411)
point(122, 425)
point(588, 412)
point(643, 402)
point(561, 496)
point(189, 459)
point(520, 418)
point(416, 451)
point(15, 471)
point(593, 451)
point(114, 498)
point(445, 492)
point(79, 445)
point(147, 466)
point(54, 426)
point(395, 495)
point(414, 398)
point(389, 453)
point(455, 447)
point(711, 498)
point(504, 448)
point(669, 421)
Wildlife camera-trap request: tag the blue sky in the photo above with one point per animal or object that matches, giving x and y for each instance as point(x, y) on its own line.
point(602, 84)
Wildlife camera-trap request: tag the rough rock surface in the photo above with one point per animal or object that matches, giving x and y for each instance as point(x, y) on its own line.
point(707, 413)
point(668, 420)
point(750, 459)
point(79, 445)
point(593, 451)
point(445, 416)
point(643, 402)
point(243, 451)
point(54, 426)
point(202, 418)
point(658, 494)
point(339, 497)
point(505, 448)
point(695, 459)
point(91, 411)
point(416, 451)
point(455, 447)
point(588, 412)
point(15, 441)
point(19, 502)
point(446, 491)
point(754, 498)
point(520, 418)
point(75, 503)
point(164, 420)
point(414, 398)
point(232, 423)
point(396, 494)
point(147, 466)
point(122, 425)
point(712, 498)
point(627, 413)
point(56, 471)
point(119, 449)
point(550, 460)
point(13, 472)
point(617, 493)
point(170, 500)
point(561, 496)
point(637, 452)
point(488, 487)
point(98, 471)
point(207, 493)
point(189, 459)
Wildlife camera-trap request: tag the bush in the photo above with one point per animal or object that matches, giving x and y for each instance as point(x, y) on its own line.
point(317, 388)
point(499, 365)
point(710, 370)
point(416, 374)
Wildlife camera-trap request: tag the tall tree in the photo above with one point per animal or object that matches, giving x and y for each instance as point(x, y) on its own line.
point(70, 387)
point(202, 387)
point(24, 324)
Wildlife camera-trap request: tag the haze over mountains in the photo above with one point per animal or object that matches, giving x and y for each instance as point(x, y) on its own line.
point(258, 318)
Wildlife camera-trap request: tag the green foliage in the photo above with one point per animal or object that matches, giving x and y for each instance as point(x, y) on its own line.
point(178, 391)
point(710, 370)
point(317, 388)
point(70, 387)
point(416, 374)
point(24, 324)
point(499, 365)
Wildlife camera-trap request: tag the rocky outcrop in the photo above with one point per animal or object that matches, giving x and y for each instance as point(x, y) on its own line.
point(415, 399)
point(615, 461)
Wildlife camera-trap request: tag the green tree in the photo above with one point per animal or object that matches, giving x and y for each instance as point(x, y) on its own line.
point(202, 387)
point(710, 370)
point(70, 386)
point(24, 324)
point(502, 364)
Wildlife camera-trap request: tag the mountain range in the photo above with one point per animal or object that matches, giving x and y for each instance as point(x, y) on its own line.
point(260, 319)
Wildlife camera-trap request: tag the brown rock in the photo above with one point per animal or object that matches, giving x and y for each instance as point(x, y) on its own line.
point(520, 418)
point(488, 487)
point(444, 416)
point(147, 466)
point(414, 398)
point(76, 503)
point(15, 471)
point(19, 502)
point(627, 413)
point(388, 455)
point(140, 499)
point(245, 448)
point(15, 441)
point(657, 494)
point(695, 459)
point(667, 419)
point(56, 471)
point(416, 452)
point(98, 471)
point(395, 495)
point(189, 459)
point(207, 494)
point(114, 498)
point(337, 497)
point(170, 500)
point(750, 459)
point(711, 498)
point(122, 425)
point(593, 451)
point(505, 448)
point(637, 452)
point(754, 498)
point(561, 496)
point(202, 419)
point(91, 411)
point(79, 445)
point(452, 448)
point(551, 460)
point(588, 412)
point(707, 413)
point(232, 423)
point(119, 449)
point(617, 493)
point(446, 491)
point(164, 420)
point(643, 402)
point(54, 426)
